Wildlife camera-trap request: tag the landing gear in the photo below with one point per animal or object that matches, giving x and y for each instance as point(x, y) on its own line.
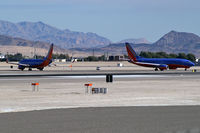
point(161, 69)
point(41, 69)
point(185, 69)
point(156, 69)
point(30, 69)
point(21, 68)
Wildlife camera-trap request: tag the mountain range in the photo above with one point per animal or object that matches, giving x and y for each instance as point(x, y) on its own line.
point(40, 35)
point(172, 42)
point(40, 31)
point(14, 45)
point(136, 41)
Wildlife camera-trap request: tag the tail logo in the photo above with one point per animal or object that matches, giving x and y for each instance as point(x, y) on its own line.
point(131, 53)
point(48, 57)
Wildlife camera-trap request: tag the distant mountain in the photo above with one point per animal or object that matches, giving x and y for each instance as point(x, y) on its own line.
point(42, 32)
point(13, 43)
point(136, 41)
point(175, 42)
point(172, 42)
point(177, 38)
point(83, 43)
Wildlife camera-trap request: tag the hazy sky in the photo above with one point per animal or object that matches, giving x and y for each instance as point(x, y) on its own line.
point(114, 19)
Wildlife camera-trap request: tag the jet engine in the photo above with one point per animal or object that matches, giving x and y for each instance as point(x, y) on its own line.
point(163, 67)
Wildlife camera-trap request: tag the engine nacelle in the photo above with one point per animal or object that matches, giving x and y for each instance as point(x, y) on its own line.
point(21, 67)
point(163, 67)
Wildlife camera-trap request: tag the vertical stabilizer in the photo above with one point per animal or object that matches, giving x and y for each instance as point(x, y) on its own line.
point(131, 53)
point(49, 55)
point(48, 58)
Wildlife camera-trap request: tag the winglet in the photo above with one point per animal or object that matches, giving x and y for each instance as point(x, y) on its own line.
point(131, 53)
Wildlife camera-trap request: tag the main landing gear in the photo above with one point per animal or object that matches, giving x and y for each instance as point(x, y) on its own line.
point(161, 69)
point(156, 69)
point(41, 69)
point(22, 69)
point(30, 69)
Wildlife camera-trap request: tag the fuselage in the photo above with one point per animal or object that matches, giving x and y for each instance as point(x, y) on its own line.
point(170, 62)
point(34, 63)
point(157, 63)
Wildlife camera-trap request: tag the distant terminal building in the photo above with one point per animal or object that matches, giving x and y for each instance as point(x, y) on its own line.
point(59, 60)
point(197, 63)
point(65, 60)
point(116, 58)
point(2, 57)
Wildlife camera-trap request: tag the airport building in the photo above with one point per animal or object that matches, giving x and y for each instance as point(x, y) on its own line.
point(2, 57)
point(197, 63)
point(116, 58)
point(59, 60)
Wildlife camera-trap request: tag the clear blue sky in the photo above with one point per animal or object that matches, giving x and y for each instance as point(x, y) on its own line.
point(114, 19)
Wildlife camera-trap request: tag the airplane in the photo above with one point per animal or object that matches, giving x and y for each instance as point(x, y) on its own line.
point(157, 63)
point(35, 63)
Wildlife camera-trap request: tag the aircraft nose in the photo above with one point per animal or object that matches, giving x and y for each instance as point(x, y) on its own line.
point(192, 64)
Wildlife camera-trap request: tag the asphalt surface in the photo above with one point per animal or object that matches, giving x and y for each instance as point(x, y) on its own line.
point(180, 119)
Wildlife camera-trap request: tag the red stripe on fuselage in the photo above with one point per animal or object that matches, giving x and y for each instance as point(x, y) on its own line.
point(174, 66)
point(170, 66)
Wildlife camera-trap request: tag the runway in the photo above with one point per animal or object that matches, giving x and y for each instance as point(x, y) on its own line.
point(89, 69)
point(173, 119)
point(138, 100)
point(35, 73)
point(125, 90)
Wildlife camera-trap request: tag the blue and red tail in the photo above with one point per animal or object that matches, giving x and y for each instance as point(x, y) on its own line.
point(48, 58)
point(49, 55)
point(131, 53)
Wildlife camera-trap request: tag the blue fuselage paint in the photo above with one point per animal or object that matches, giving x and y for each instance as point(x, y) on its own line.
point(33, 63)
point(167, 61)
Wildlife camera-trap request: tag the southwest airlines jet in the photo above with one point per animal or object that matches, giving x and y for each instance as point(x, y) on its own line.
point(157, 63)
point(35, 63)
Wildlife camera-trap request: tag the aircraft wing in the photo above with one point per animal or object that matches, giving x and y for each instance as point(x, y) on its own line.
point(26, 65)
point(151, 64)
